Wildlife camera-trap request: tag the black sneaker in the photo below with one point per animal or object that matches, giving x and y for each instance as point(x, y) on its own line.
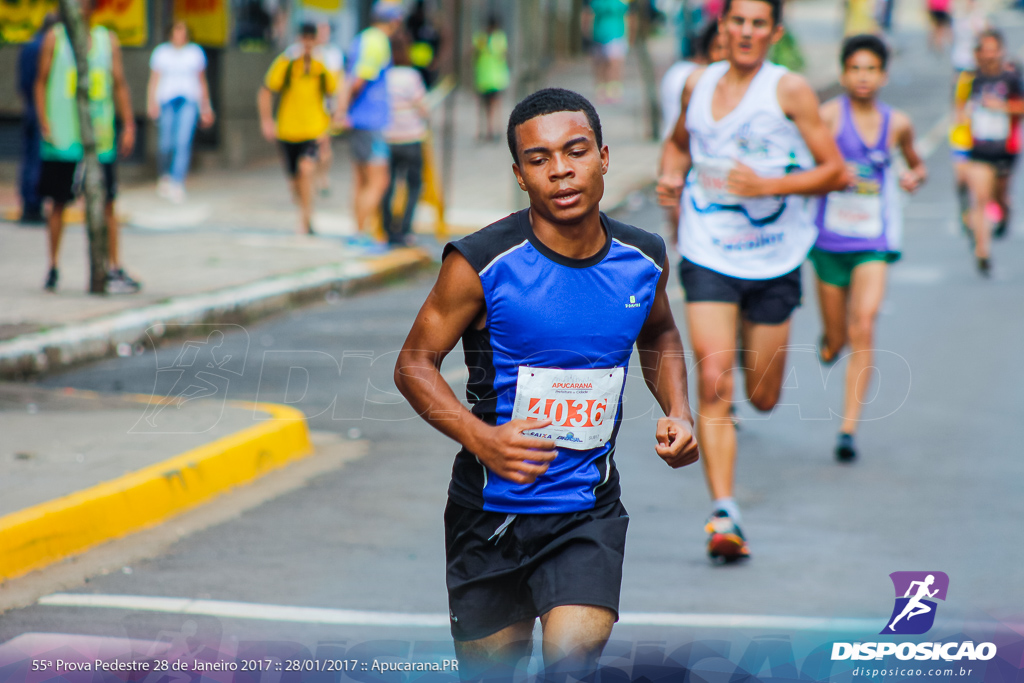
point(845, 452)
point(32, 217)
point(1000, 230)
point(118, 282)
point(51, 280)
point(985, 267)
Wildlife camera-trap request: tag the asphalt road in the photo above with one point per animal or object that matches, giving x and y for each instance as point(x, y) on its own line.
point(937, 487)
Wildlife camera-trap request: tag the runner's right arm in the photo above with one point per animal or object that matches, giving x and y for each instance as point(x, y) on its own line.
point(903, 133)
point(675, 159)
point(455, 303)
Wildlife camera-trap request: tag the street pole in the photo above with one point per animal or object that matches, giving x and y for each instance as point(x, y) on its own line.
point(448, 131)
point(647, 75)
point(95, 220)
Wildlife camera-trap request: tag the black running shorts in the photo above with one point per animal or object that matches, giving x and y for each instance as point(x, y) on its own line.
point(500, 576)
point(293, 151)
point(1002, 163)
point(764, 302)
point(61, 180)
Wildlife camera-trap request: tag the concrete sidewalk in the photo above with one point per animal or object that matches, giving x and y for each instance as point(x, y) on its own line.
point(78, 469)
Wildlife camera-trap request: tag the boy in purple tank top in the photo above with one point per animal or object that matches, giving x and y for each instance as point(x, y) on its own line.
point(859, 227)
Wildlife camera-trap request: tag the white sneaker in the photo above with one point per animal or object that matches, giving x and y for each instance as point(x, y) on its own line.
point(163, 186)
point(175, 193)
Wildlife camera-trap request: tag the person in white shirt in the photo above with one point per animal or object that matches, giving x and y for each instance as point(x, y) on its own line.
point(177, 98)
point(710, 47)
point(746, 152)
point(405, 135)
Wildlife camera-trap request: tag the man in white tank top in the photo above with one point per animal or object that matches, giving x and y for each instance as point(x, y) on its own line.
point(748, 150)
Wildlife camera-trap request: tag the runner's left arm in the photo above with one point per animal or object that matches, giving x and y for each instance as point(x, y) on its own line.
point(122, 98)
point(800, 104)
point(664, 368)
point(917, 172)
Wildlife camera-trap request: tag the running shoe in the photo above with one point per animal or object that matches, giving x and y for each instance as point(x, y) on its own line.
point(51, 280)
point(845, 452)
point(985, 267)
point(825, 359)
point(1000, 230)
point(119, 282)
point(725, 540)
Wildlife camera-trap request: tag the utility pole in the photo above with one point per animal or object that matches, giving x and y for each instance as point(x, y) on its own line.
point(95, 219)
point(647, 75)
point(448, 125)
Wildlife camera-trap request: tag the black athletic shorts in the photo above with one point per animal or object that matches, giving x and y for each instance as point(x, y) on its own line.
point(500, 576)
point(1002, 163)
point(59, 181)
point(293, 151)
point(765, 302)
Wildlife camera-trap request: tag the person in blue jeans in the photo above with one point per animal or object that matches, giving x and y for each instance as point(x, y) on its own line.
point(177, 98)
point(28, 185)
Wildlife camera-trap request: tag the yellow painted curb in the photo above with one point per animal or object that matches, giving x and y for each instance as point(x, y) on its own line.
point(45, 533)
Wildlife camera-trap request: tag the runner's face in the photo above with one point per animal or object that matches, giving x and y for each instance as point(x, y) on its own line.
point(749, 31)
point(989, 56)
point(560, 165)
point(863, 75)
point(719, 49)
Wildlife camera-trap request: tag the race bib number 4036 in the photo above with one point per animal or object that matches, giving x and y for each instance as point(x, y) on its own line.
point(581, 404)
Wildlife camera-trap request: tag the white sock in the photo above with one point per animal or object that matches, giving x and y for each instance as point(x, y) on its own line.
point(730, 507)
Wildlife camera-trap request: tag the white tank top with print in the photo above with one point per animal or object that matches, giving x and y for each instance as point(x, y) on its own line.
point(752, 238)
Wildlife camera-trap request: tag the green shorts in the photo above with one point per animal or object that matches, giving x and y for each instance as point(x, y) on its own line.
point(836, 268)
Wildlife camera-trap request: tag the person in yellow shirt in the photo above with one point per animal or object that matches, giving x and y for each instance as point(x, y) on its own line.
point(301, 84)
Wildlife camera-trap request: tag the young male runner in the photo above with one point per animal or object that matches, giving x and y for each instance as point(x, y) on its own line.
point(548, 303)
point(860, 228)
point(993, 109)
point(302, 82)
point(61, 149)
point(748, 139)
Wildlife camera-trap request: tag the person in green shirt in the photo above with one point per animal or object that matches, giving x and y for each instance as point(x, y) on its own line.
point(61, 149)
point(492, 75)
point(605, 23)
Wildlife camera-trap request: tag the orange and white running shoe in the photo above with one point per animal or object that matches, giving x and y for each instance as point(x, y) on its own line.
point(725, 540)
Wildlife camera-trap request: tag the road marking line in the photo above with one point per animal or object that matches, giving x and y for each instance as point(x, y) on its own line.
point(934, 138)
point(346, 617)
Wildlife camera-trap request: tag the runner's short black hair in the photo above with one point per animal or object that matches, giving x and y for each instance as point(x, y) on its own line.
point(865, 41)
point(776, 9)
point(550, 101)
point(307, 29)
point(706, 39)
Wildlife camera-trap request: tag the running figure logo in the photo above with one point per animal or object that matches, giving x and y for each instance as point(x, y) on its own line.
point(914, 611)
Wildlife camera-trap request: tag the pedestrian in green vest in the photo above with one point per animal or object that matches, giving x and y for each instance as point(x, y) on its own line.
point(61, 149)
point(492, 76)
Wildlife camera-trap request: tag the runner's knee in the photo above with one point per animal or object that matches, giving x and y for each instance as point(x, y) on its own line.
point(861, 330)
point(715, 383)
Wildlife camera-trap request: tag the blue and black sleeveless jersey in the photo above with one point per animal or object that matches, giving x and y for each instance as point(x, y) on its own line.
point(544, 310)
